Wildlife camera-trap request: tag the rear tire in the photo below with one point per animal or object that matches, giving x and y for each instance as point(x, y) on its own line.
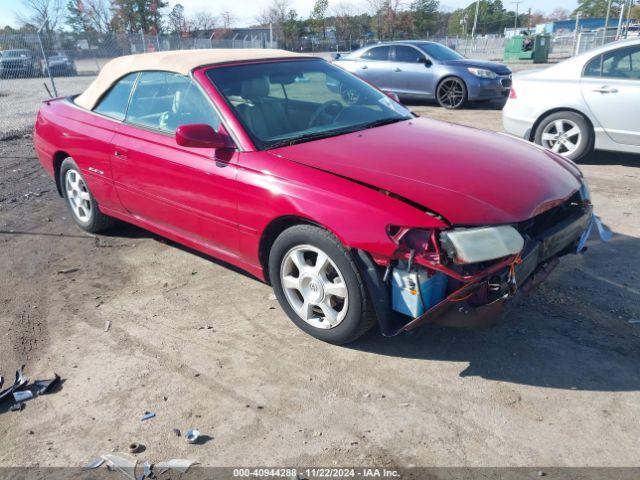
point(81, 203)
point(566, 133)
point(318, 285)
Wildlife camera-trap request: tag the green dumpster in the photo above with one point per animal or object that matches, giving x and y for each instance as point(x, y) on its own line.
point(522, 48)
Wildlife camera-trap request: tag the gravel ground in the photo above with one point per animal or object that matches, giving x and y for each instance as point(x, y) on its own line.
point(556, 384)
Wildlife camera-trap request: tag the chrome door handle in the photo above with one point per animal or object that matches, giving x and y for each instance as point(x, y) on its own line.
point(364, 67)
point(397, 69)
point(606, 89)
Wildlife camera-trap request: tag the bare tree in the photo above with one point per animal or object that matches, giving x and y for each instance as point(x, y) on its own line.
point(227, 19)
point(42, 13)
point(202, 21)
point(99, 14)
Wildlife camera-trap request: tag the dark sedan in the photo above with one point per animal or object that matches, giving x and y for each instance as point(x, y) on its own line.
point(428, 70)
point(18, 63)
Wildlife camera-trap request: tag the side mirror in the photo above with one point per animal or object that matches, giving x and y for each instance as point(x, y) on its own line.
point(427, 62)
point(200, 135)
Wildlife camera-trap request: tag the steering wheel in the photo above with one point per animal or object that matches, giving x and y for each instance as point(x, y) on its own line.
point(325, 110)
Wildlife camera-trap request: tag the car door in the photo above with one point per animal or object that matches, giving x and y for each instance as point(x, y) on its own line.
point(611, 88)
point(411, 72)
point(184, 190)
point(374, 66)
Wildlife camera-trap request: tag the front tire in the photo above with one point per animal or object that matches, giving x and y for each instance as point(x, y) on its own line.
point(318, 285)
point(451, 93)
point(565, 133)
point(83, 207)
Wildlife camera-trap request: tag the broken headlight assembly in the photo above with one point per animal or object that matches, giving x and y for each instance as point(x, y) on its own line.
point(474, 245)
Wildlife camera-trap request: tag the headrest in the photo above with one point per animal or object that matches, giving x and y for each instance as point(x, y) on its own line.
point(255, 88)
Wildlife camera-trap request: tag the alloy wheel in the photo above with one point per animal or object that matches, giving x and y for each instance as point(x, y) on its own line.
point(78, 195)
point(451, 93)
point(562, 136)
point(314, 286)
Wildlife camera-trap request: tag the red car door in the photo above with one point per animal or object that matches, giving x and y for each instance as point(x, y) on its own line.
point(188, 191)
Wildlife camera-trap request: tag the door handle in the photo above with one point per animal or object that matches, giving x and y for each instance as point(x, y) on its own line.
point(364, 67)
point(121, 154)
point(397, 69)
point(605, 89)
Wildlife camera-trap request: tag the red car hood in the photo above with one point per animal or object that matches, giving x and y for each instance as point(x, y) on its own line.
point(469, 176)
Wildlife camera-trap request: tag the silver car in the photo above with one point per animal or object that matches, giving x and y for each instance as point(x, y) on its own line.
point(589, 101)
point(429, 70)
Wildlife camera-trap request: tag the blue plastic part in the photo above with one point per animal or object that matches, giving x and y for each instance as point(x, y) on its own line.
point(405, 296)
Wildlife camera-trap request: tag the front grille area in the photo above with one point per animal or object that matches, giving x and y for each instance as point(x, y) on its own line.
point(506, 82)
point(538, 225)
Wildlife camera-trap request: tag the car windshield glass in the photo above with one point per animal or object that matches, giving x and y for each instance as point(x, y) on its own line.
point(440, 52)
point(287, 102)
point(16, 53)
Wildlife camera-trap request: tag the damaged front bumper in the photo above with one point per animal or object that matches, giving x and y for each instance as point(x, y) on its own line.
point(481, 298)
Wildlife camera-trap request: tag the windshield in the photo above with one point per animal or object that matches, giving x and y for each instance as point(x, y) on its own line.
point(16, 53)
point(282, 103)
point(440, 52)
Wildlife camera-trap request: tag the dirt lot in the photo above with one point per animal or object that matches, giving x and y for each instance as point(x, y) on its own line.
point(201, 345)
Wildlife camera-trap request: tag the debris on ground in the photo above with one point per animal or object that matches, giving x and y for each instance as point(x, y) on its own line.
point(22, 395)
point(634, 321)
point(123, 463)
point(136, 447)
point(176, 431)
point(177, 464)
point(67, 270)
point(94, 464)
point(20, 391)
point(147, 416)
point(107, 325)
point(192, 435)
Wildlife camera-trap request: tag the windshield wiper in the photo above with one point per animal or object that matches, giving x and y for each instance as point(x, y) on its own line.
point(332, 133)
point(309, 137)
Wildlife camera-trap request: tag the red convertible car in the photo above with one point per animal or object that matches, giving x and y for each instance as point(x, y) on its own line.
point(355, 210)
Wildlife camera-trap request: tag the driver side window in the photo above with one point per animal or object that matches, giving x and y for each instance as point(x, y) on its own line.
point(164, 101)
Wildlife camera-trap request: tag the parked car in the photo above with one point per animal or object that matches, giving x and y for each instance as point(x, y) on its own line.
point(18, 63)
point(60, 65)
point(589, 101)
point(428, 70)
point(355, 212)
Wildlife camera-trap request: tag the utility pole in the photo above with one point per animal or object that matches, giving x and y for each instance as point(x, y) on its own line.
point(475, 20)
point(606, 23)
point(517, 4)
point(626, 32)
point(575, 33)
point(619, 31)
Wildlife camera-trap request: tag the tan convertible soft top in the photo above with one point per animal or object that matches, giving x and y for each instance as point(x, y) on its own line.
point(178, 61)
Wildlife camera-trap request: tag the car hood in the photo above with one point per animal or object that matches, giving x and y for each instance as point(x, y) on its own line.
point(469, 176)
point(498, 68)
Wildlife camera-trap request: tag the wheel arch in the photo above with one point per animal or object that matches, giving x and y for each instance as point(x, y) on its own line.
point(58, 158)
point(273, 230)
point(541, 117)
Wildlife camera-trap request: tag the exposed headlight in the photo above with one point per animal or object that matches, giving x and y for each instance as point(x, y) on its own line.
point(482, 72)
point(472, 245)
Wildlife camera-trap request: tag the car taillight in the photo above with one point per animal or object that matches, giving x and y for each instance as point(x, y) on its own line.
point(512, 93)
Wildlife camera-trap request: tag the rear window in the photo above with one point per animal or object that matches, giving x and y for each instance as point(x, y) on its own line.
point(377, 53)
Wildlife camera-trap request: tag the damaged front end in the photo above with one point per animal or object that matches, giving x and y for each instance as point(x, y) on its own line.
point(465, 276)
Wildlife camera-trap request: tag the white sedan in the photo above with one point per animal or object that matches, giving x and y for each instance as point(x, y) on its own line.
point(589, 101)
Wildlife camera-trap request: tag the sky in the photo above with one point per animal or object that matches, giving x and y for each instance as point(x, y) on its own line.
point(245, 15)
